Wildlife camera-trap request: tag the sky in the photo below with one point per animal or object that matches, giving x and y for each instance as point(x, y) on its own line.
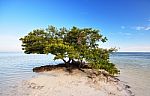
point(126, 23)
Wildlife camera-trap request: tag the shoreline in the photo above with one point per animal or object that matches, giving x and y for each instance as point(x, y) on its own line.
point(60, 83)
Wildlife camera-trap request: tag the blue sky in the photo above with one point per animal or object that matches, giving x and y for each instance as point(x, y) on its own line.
point(126, 23)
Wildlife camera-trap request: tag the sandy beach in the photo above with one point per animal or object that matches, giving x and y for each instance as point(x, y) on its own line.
point(61, 83)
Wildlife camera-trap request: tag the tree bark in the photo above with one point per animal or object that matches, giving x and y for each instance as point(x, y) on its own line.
point(64, 60)
point(67, 62)
point(80, 64)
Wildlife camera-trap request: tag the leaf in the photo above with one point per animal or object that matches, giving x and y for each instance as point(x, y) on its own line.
point(75, 43)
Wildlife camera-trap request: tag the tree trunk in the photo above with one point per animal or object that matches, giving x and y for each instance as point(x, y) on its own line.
point(73, 61)
point(64, 60)
point(67, 62)
point(80, 64)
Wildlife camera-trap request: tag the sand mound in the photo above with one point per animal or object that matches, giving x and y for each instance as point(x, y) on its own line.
point(60, 83)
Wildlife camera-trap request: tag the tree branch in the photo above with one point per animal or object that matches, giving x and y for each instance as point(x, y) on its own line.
point(69, 60)
point(64, 60)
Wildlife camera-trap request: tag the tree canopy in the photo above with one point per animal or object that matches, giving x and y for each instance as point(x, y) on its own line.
point(80, 44)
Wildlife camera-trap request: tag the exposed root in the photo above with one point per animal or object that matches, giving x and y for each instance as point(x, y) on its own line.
point(70, 68)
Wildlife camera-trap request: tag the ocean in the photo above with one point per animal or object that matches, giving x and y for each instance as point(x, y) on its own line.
point(16, 67)
point(135, 70)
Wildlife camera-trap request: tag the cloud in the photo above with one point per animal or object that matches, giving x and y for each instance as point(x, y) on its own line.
point(143, 27)
point(139, 28)
point(147, 28)
point(122, 27)
point(127, 34)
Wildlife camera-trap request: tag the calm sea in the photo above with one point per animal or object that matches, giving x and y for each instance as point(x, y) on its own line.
point(135, 70)
point(16, 67)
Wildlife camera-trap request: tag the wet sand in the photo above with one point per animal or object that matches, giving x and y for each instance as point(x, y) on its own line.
point(137, 79)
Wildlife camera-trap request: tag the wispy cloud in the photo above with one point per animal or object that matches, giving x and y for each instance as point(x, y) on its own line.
point(123, 27)
point(125, 33)
point(147, 28)
point(142, 27)
point(139, 28)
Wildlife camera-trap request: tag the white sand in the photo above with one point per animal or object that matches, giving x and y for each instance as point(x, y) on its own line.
point(61, 83)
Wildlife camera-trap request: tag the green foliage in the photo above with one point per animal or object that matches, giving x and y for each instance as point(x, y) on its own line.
point(75, 44)
point(34, 42)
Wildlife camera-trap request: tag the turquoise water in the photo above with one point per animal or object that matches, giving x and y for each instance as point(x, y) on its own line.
point(16, 67)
